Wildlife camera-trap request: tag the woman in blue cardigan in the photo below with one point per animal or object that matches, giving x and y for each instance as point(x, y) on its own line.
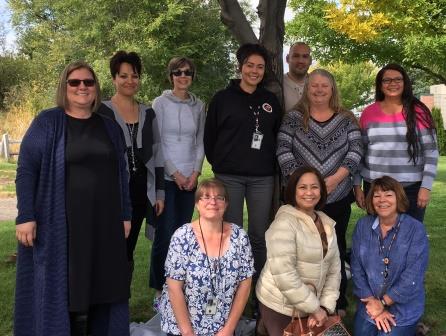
point(73, 217)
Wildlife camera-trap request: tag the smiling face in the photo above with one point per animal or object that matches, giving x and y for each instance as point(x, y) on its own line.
point(212, 204)
point(320, 90)
point(392, 84)
point(81, 96)
point(252, 72)
point(126, 81)
point(308, 193)
point(385, 203)
point(182, 82)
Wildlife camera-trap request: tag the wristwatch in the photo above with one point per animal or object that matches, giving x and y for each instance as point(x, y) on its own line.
point(383, 302)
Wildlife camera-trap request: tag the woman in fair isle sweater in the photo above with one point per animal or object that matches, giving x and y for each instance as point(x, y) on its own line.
point(320, 133)
point(399, 139)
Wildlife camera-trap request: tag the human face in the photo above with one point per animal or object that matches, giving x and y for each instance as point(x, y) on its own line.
point(299, 61)
point(182, 82)
point(308, 193)
point(252, 72)
point(126, 81)
point(384, 203)
point(395, 88)
point(320, 90)
point(81, 97)
point(211, 205)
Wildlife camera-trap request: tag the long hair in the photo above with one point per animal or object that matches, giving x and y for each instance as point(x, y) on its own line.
point(303, 106)
point(410, 103)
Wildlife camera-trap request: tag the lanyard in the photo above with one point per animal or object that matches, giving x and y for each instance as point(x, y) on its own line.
point(212, 270)
point(386, 252)
point(256, 116)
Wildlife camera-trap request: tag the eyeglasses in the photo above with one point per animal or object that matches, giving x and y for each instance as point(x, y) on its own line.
point(77, 82)
point(178, 73)
point(218, 198)
point(396, 80)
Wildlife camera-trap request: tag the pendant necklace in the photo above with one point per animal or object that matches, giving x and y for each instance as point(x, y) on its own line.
point(386, 252)
point(131, 128)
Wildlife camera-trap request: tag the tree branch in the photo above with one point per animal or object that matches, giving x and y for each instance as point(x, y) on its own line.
point(233, 17)
point(433, 74)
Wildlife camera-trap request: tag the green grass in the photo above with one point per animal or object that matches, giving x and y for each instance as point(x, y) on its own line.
point(7, 177)
point(141, 301)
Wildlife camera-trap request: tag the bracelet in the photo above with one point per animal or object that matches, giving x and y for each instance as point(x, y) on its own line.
point(326, 310)
point(383, 302)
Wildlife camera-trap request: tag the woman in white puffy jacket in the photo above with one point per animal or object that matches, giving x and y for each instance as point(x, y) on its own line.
point(302, 251)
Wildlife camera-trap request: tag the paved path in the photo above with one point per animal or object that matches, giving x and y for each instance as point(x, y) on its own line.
point(8, 209)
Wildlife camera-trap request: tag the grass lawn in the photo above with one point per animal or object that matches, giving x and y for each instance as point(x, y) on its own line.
point(140, 304)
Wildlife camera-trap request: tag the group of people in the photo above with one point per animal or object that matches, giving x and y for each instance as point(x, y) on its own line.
point(90, 172)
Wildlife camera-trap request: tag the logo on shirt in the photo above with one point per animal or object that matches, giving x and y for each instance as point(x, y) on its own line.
point(267, 107)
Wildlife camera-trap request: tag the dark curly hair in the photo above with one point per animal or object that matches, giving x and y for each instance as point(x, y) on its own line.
point(410, 103)
point(122, 56)
point(248, 49)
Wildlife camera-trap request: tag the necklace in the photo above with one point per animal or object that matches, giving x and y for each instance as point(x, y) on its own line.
point(212, 268)
point(386, 252)
point(131, 128)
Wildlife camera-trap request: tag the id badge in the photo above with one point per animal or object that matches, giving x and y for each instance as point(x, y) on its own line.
point(257, 138)
point(211, 306)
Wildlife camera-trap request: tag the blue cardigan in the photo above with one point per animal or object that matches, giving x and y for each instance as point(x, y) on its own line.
point(41, 305)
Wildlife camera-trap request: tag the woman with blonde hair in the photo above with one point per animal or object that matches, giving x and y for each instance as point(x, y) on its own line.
point(322, 134)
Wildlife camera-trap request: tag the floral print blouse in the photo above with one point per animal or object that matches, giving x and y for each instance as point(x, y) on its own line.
point(186, 262)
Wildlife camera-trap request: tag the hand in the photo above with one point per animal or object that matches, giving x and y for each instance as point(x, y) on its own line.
point(192, 181)
point(127, 227)
point(159, 207)
point(180, 180)
point(331, 182)
point(424, 196)
point(373, 306)
point(384, 321)
point(318, 318)
point(26, 233)
point(225, 332)
point(360, 197)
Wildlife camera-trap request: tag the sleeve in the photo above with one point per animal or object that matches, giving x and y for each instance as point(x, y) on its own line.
point(245, 256)
point(287, 161)
point(361, 286)
point(28, 170)
point(199, 157)
point(355, 149)
point(282, 259)
point(429, 148)
point(211, 129)
point(159, 160)
point(169, 166)
point(411, 280)
point(177, 256)
point(330, 291)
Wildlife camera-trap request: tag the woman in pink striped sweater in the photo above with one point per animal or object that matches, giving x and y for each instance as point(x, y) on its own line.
point(399, 140)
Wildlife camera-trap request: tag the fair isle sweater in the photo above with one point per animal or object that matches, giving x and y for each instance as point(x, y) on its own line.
point(384, 139)
point(326, 146)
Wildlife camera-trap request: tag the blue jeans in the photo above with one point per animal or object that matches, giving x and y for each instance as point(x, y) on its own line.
point(178, 210)
point(258, 192)
point(365, 328)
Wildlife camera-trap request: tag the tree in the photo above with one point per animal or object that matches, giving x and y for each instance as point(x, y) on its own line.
point(272, 30)
point(355, 82)
point(53, 33)
point(441, 133)
point(410, 32)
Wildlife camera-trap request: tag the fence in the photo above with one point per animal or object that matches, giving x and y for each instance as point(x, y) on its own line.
point(5, 147)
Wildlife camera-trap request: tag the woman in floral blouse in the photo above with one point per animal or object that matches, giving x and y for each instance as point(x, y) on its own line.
point(208, 270)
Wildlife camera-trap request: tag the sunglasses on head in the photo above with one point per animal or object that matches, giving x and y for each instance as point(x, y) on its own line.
point(77, 82)
point(178, 73)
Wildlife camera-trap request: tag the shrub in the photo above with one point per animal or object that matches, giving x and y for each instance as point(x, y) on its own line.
point(441, 133)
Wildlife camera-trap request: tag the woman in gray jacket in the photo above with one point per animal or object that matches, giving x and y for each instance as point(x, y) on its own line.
point(181, 119)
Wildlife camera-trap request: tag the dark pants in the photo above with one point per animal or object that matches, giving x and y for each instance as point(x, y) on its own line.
point(340, 212)
point(139, 212)
point(273, 321)
point(178, 210)
point(412, 195)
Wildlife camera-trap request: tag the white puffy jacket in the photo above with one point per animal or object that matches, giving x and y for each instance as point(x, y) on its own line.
point(295, 258)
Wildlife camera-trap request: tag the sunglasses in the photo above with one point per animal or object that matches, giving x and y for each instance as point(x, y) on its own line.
point(178, 73)
point(77, 82)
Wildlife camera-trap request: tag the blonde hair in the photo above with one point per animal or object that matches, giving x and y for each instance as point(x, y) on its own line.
point(303, 106)
point(61, 94)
